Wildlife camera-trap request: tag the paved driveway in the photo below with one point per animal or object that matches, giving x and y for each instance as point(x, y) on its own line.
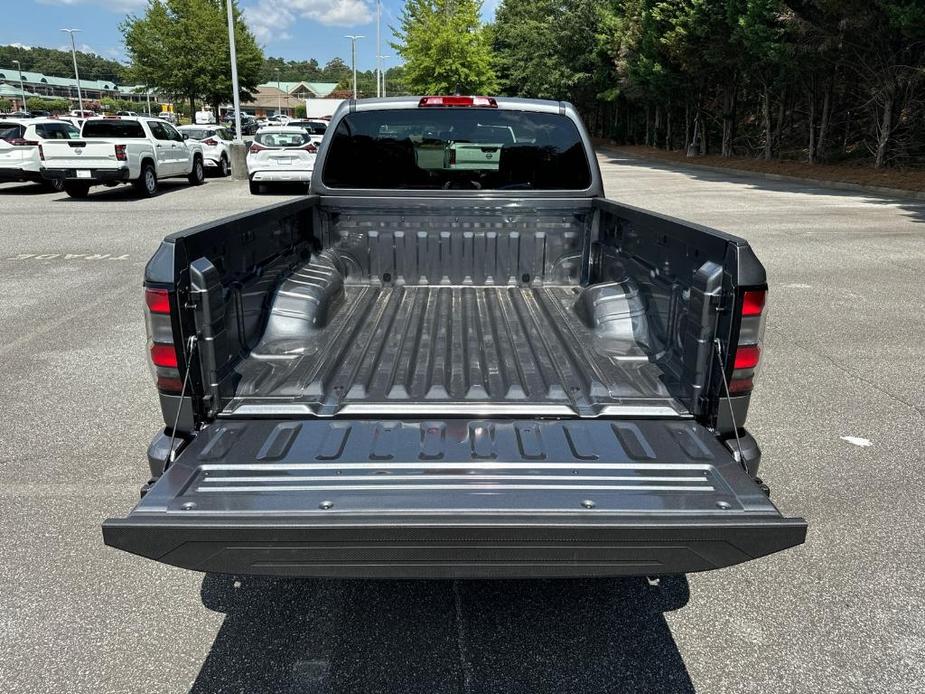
point(843, 613)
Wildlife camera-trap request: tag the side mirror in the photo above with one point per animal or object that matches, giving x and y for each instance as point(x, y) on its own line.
point(185, 136)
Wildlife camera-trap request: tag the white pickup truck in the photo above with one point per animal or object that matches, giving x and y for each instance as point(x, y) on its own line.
point(140, 151)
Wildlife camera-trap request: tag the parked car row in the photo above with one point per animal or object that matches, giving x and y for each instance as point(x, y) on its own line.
point(74, 154)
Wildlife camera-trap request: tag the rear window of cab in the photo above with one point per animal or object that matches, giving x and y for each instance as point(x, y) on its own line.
point(113, 128)
point(456, 149)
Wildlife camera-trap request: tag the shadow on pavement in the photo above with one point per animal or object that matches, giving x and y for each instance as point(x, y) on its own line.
point(124, 192)
point(319, 636)
point(25, 188)
point(914, 208)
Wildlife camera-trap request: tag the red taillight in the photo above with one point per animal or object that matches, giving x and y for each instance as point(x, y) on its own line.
point(457, 102)
point(452, 157)
point(747, 353)
point(310, 147)
point(210, 142)
point(255, 148)
point(157, 300)
point(21, 142)
point(41, 153)
point(163, 355)
point(753, 302)
point(120, 153)
point(747, 357)
point(161, 346)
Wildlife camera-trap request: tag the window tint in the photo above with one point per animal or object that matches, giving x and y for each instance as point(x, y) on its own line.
point(294, 139)
point(158, 130)
point(57, 131)
point(457, 149)
point(10, 131)
point(172, 133)
point(112, 128)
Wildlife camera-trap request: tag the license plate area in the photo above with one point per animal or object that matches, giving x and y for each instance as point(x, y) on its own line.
point(84, 173)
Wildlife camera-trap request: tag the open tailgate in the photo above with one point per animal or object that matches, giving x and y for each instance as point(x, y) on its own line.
point(454, 498)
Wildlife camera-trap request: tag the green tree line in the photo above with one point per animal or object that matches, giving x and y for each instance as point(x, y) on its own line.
point(820, 80)
point(335, 70)
point(50, 61)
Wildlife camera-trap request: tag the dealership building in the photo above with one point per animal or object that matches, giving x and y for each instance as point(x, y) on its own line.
point(48, 86)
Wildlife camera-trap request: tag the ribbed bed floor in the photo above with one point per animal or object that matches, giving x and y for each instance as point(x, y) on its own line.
point(435, 350)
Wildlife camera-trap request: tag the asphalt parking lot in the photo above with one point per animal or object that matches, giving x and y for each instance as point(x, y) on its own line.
point(839, 413)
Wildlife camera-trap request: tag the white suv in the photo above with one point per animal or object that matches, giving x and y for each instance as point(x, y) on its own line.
point(280, 154)
point(216, 143)
point(21, 148)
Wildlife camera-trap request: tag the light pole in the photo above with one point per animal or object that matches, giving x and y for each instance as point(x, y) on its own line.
point(378, 49)
point(384, 57)
point(353, 42)
point(80, 99)
point(22, 89)
point(148, 99)
point(279, 95)
point(234, 76)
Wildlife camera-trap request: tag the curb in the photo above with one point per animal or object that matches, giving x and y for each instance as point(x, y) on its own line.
point(838, 185)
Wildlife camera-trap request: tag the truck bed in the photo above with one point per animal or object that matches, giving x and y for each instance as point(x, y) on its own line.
point(455, 349)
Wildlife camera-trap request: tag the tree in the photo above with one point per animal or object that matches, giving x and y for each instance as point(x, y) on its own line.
point(51, 61)
point(445, 48)
point(180, 47)
point(35, 103)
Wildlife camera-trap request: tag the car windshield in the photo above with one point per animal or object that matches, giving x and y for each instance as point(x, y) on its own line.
point(199, 133)
point(282, 139)
point(446, 148)
point(112, 128)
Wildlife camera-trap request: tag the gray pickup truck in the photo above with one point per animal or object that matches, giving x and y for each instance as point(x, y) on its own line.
point(418, 371)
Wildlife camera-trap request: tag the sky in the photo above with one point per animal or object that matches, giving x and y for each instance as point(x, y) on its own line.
point(292, 29)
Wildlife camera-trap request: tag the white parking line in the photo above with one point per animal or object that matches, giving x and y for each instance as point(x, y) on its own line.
point(67, 256)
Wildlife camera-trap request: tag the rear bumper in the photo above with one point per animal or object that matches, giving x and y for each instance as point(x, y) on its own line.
point(96, 175)
point(454, 499)
point(432, 548)
point(273, 176)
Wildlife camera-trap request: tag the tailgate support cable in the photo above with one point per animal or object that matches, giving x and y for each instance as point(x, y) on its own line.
point(190, 346)
point(735, 427)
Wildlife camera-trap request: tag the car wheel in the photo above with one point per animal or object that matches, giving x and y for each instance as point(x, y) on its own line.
point(76, 190)
point(198, 174)
point(255, 188)
point(146, 185)
point(223, 168)
point(54, 185)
